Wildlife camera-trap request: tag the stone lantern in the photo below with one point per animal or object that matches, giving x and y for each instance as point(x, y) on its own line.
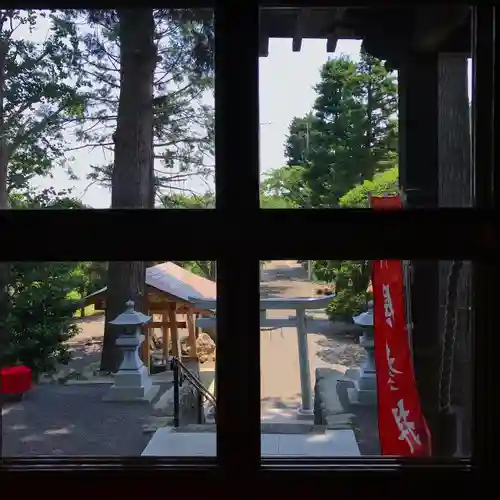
point(360, 383)
point(368, 379)
point(131, 381)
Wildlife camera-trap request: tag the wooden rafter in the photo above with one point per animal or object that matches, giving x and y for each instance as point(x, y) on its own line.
point(300, 21)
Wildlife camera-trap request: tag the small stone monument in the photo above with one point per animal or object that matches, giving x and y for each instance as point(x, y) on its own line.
point(359, 384)
point(131, 382)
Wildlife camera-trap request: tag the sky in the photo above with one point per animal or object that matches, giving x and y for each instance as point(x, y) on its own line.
point(286, 81)
point(279, 104)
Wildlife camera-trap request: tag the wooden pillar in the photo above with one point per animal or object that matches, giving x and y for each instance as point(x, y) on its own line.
point(418, 160)
point(455, 190)
point(172, 317)
point(146, 347)
point(197, 329)
point(165, 334)
point(191, 334)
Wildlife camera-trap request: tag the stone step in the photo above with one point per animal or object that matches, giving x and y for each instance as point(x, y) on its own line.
point(333, 443)
point(266, 428)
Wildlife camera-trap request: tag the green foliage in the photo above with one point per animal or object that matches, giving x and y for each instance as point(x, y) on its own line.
point(92, 276)
point(204, 268)
point(183, 121)
point(324, 270)
point(42, 94)
point(350, 135)
point(44, 296)
point(352, 277)
point(286, 184)
point(44, 198)
point(206, 200)
point(383, 183)
point(346, 304)
point(272, 201)
point(40, 317)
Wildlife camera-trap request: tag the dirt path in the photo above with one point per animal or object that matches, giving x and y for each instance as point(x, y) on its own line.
point(280, 378)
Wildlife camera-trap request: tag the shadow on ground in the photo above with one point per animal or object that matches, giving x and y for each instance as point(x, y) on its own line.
point(83, 353)
point(88, 319)
point(281, 403)
point(71, 421)
point(287, 273)
point(271, 291)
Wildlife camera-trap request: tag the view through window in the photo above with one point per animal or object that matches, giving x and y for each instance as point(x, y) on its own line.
point(161, 358)
point(346, 128)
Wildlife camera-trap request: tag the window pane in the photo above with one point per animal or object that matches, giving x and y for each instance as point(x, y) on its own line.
point(327, 383)
point(151, 393)
point(344, 124)
point(105, 127)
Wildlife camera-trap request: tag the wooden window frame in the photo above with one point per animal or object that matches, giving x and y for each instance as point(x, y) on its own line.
point(237, 233)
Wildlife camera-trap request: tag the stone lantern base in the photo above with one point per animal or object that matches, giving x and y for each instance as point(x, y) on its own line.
point(357, 388)
point(359, 384)
point(132, 386)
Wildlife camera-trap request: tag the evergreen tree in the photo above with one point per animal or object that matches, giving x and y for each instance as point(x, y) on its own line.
point(183, 124)
point(352, 132)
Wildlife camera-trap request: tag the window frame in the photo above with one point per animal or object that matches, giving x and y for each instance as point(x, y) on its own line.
point(238, 224)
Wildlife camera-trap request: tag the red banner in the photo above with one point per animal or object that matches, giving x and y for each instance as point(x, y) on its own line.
point(402, 427)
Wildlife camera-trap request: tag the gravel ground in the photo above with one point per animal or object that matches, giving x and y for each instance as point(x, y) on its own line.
point(329, 347)
point(72, 421)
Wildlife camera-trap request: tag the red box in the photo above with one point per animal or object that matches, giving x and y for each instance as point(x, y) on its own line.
point(15, 380)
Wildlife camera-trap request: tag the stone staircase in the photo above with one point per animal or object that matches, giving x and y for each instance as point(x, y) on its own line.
point(266, 428)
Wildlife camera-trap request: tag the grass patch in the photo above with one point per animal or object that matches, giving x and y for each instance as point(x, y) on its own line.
point(89, 311)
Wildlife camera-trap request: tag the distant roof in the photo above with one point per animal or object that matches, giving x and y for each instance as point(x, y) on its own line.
point(176, 281)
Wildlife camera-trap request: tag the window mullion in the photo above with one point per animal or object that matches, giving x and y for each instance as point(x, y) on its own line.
point(483, 281)
point(237, 203)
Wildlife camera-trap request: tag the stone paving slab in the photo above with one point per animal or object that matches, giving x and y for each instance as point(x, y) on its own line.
point(333, 443)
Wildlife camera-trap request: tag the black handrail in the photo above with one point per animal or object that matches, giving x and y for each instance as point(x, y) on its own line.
point(180, 370)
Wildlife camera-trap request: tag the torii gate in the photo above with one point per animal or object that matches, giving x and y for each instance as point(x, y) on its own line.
point(301, 321)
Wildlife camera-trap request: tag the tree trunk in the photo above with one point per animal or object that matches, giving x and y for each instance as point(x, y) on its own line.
point(132, 175)
point(455, 190)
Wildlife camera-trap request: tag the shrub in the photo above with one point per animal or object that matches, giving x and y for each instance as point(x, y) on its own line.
point(346, 304)
point(352, 278)
point(40, 317)
point(382, 183)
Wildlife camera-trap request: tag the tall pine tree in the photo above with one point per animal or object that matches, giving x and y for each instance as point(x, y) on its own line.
point(352, 132)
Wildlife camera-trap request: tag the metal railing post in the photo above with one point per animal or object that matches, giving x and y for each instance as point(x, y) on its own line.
point(175, 369)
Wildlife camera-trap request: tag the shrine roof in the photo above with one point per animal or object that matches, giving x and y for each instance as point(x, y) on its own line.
point(173, 280)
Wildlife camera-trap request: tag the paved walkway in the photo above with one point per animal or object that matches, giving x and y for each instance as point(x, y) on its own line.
point(280, 376)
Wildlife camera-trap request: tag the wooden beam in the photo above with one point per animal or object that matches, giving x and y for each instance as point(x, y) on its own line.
point(263, 45)
point(331, 44)
point(335, 29)
point(300, 21)
point(435, 24)
point(162, 324)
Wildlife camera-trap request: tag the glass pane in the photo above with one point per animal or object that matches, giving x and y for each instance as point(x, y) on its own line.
point(124, 131)
point(74, 385)
point(330, 381)
point(344, 124)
